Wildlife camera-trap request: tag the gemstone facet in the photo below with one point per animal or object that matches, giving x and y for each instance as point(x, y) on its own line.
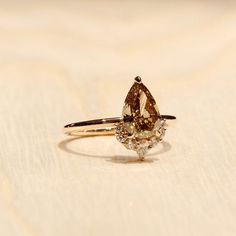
point(142, 126)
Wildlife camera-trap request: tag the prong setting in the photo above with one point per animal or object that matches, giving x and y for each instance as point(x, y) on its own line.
point(138, 79)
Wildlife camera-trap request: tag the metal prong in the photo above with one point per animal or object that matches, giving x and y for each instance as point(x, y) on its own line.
point(141, 158)
point(138, 79)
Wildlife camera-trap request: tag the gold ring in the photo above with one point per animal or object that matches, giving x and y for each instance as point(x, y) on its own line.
point(140, 128)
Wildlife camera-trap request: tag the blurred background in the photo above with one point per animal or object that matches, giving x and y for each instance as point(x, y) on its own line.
point(173, 42)
point(64, 61)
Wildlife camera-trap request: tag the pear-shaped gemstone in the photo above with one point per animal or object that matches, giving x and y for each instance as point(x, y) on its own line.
point(140, 112)
point(142, 126)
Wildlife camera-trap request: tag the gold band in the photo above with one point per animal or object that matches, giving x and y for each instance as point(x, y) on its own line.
point(98, 127)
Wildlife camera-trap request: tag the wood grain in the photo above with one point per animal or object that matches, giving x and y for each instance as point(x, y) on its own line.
point(65, 61)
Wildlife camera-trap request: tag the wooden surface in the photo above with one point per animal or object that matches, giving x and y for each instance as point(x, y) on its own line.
point(64, 61)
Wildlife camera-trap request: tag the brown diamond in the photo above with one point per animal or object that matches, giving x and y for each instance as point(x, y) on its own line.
point(140, 111)
point(142, 126)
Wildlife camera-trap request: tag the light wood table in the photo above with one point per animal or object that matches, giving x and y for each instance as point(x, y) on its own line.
point(65, 61)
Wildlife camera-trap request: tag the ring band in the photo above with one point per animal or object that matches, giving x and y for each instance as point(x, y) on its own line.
point(140, 128)
point(99, 127)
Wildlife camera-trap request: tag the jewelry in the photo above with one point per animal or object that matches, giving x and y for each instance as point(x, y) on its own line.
point(140, 128)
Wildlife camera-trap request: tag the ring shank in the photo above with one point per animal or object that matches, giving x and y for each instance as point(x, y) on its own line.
point(98, 127)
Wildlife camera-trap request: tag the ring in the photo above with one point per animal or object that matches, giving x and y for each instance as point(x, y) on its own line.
point(140, 128)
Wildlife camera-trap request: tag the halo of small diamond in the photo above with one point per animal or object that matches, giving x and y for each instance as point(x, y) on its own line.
point(140, 145)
